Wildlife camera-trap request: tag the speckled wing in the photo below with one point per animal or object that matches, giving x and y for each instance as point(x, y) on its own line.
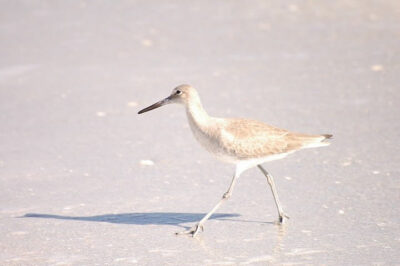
point(245, 138)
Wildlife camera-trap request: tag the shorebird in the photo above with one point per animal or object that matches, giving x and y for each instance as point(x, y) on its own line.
point(243, 142)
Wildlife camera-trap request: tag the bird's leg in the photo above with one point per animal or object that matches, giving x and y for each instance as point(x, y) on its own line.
point(271, 183)
point(195, 229)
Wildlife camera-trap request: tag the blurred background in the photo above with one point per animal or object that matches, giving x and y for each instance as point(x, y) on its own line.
point(85, 180)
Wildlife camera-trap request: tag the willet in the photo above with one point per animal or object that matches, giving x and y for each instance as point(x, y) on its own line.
point(243, 142)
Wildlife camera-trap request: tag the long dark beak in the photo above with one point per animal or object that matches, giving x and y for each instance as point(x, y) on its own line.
point(156, 105)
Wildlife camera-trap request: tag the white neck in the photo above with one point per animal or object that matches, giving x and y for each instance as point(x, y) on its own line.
point(196, 114)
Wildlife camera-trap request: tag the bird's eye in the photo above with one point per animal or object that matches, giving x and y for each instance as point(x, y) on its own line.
point(178, 92)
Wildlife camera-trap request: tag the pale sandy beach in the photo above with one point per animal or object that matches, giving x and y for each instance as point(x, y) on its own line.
point(85, 180)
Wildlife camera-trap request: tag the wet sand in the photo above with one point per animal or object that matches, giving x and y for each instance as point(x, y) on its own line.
point(87, 181)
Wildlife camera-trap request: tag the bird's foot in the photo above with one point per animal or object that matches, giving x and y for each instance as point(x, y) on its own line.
point(193, 231)
point(283, 217)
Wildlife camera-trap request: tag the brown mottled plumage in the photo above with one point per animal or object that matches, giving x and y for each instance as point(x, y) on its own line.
point(253, 139)
point(243, 142)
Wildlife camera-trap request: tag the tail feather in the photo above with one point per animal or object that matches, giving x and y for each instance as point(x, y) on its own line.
point(327, 136)
point(319, 142)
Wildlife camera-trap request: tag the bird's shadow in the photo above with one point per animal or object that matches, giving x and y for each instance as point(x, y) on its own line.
point(139, 218)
